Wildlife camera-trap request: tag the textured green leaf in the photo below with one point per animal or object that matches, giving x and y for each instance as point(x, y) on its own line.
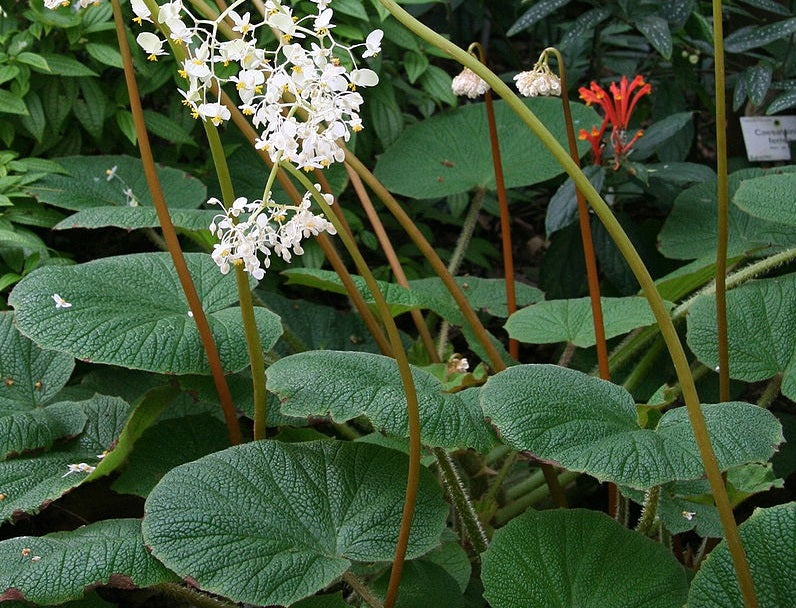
point(561, 559)
point(571, 320)
point(312, 326)
point(449, 153)
point(131, 218)
point(334, 600)
point(61, 566)
point(167, 128)
point(437, 82)
point(40, 428)
point(104, 53)
point(88, 184)
point(769, 538)
point(659, 132)
point(590, 425)
point(656, 31)
point(131, 311)
point(168, 444)
point(769, 197)
point(34, 60)
point(415, 63)
point(272, 523)
point(755, 36)
point(538, 11)
point(689, 231)
point(562, 210)
point(31, 481)
point(345, 385)
point(784, 101)
point(34, 121)
point(63, 65)
point(423, 585)
point(11, 104)
point(758, 81)
point(399, 299)
point(488, 295)
point(760, 330)
point(30, 376)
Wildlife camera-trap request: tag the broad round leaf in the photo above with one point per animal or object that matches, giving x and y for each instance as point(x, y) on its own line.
point(769, 539)
point(58, 567)
point(130, 311)
point(590, 425)
point(31, 376)
point(271, 523)
point(30, 481)
point(346, 384)
point(561, 559)
point(689, 231)
point(449, 153)
point(769, 197)
point(131, 218)
point(571, 320)
point(88, 184)
point(761, 317)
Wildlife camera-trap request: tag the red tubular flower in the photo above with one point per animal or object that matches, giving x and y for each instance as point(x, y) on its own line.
point(617, 109)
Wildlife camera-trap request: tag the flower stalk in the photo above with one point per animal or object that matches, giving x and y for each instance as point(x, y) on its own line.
point(641, 273)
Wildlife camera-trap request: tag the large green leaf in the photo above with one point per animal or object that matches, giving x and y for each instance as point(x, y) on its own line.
point(131, 218)
point(450, 153)
point(571, 320)
point(769, 538)
point(561, 559)
point(131, 311)
point(61, 566)
point(30, 375)
point(590, 425)
point(33, 480)
point(690, 229)
point(271, 523)
point(488, 295)
point(345, 385)
point(39, 428)
point(760, 330)
point(769, 197)
point(88, 185)
point(166, 445)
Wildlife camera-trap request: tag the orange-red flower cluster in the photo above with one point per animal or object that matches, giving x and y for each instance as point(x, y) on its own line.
point(617, 108)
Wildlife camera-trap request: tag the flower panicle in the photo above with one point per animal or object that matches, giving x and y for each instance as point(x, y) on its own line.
point(617, 105)
point(301, 96)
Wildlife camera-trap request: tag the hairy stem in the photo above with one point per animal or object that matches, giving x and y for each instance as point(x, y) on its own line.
point(170, 234)
point(649, 510)
point(363, 591)
point(461, 501)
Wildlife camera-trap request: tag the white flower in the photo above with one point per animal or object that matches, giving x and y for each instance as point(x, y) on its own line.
point(111, 173)
point(536, 82)
point(152, 45)
point(364, 78)
point(216, 112)
point(60, 302)
point(373, 44)
point(80, 467)
point(141, 12)
point(469, 83)
point(242, 24)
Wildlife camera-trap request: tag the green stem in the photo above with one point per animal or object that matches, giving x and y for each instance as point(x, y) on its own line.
point(643, 367)
point(771, 391)
point(649, 510)
point(465, 236)
point(412, 407)
point(461, 501)
point(254, 345)
point(497, 482)
point(530, 483)
point(358, 585)
point(630, 254)
point(722, 228)
point(519, 506)
point(170, 234)
point(190, 596)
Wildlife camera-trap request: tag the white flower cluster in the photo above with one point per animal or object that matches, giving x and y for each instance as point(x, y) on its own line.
point(469, 83)
point(538, 81)
point(301, 97)
point(301, 100)
point(248, 228)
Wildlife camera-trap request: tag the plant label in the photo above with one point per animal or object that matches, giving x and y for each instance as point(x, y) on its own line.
point(768, 137)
